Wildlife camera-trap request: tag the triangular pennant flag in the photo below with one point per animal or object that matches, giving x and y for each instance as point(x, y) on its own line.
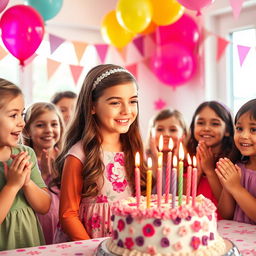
point(52, 66)
point(133, 69)
point(55, 42)
point(76, 72)
point(102, 51)
point(204, 34)
point(139, 43)
point(236, 7)
point(242, 52)
point(147, 62)
point(3, 52)
point(221, 46)
point(79, 49)
point(122, 52)
point(153, 36)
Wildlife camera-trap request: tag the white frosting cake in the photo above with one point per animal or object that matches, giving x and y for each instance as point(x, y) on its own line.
point(165, 231)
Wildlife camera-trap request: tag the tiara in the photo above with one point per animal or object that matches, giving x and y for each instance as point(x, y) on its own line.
point(108, 73)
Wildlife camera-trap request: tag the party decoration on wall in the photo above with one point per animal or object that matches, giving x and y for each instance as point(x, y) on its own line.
point(22, 31)
point(166, 12)
point(133, 69)
point(102, 51)
point(55, 42)
point(134, 15)
point(139, 43)
point(236, 7)
point(221, 47)
point(113, 33)
point(3, 52)
point(242, 53)
point(185, 31)
point(173, 64)
point(3, 4)
point(47, 8)
point(159, 104)
point(195, 5)
point(76, 72)
point(79, 49)
point(52, 66)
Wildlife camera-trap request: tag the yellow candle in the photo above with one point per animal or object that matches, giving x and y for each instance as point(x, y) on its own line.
point(149, 182)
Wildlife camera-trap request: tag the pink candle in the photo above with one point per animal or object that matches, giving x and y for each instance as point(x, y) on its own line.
point(168, 170)
point(159, 180)
point(174, 181)
point(137, 178)
point(194, 182)
point(188, 185)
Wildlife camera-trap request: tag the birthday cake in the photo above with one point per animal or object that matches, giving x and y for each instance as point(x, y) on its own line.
point(165, 231)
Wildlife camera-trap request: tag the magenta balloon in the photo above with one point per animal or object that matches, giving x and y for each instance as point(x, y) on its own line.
point(173, 64)
point(3, 4)
point(195, 5)
point(184, 31)
point(22, 31)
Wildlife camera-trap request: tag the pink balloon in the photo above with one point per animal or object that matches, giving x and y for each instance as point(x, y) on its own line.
point(3, 4)
point(173, 64)
point(195, 5)
point(184, 31)
point(22, 31)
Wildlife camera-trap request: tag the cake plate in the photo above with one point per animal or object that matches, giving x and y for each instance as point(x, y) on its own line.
point(102, 249)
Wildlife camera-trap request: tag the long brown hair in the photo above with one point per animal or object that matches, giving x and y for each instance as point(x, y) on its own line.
point(84, 128)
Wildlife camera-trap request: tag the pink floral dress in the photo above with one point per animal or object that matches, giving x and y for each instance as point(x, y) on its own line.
point(95, 213)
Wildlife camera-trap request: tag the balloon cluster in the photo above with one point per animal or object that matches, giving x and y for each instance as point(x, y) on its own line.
point(23, 26)
point(177, 34)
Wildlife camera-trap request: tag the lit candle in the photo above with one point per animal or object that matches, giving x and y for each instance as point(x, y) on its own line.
point(194, 182)
point(174, 181)
point(189, 173)
point(181, 166)
point(168, 170)
point(137, 178)
point(149, 182)
point(159, 180)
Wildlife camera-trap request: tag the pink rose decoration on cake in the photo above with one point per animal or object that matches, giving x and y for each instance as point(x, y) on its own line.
point(129, 243)
point(148, 230)
point(151, 250)
point(120, 225)
point(116, 173)
point(196, 226)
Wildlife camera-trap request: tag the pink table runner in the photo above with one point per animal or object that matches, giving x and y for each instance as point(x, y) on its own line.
point(242, 235)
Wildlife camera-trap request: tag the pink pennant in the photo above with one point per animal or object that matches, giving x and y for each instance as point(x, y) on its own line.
point(221, 46)
point(133, 69)
point(242, 52)
point(102, 51)
point(236, 7)
point(139, 43)
point(3, 52)
point(159, 104)
point(55, 42)
point(76, 72)
point(52, 66)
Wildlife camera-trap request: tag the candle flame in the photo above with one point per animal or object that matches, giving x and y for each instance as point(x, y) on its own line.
point(149, 163)
point(161, 143)
point(175, 161)
point(153, 132)
point(137, 159)
point(160, 160)
point(189, 159)
point(181, 152)
point(194, 161)
point(170, 144)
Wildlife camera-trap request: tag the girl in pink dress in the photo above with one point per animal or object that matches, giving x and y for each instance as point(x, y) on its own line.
point(211, 137)
point(238, 197)
point(98, 158)
point(43, 132)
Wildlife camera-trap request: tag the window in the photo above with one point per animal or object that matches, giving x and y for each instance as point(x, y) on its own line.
point(243, 77)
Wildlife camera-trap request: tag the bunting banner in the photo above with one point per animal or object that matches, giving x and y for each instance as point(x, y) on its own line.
point(236, 6)
point(133, 69)
point(139, 43)
point(52, 66)
point(3, 52)
point(221, 47)
point(102, 51)
point(242, 53)
point(80, 48)
point(55, 42)
point(76, 72)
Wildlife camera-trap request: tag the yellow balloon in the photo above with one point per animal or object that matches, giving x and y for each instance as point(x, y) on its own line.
point(166, 12)
point(134, 15)
point(113, 33)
